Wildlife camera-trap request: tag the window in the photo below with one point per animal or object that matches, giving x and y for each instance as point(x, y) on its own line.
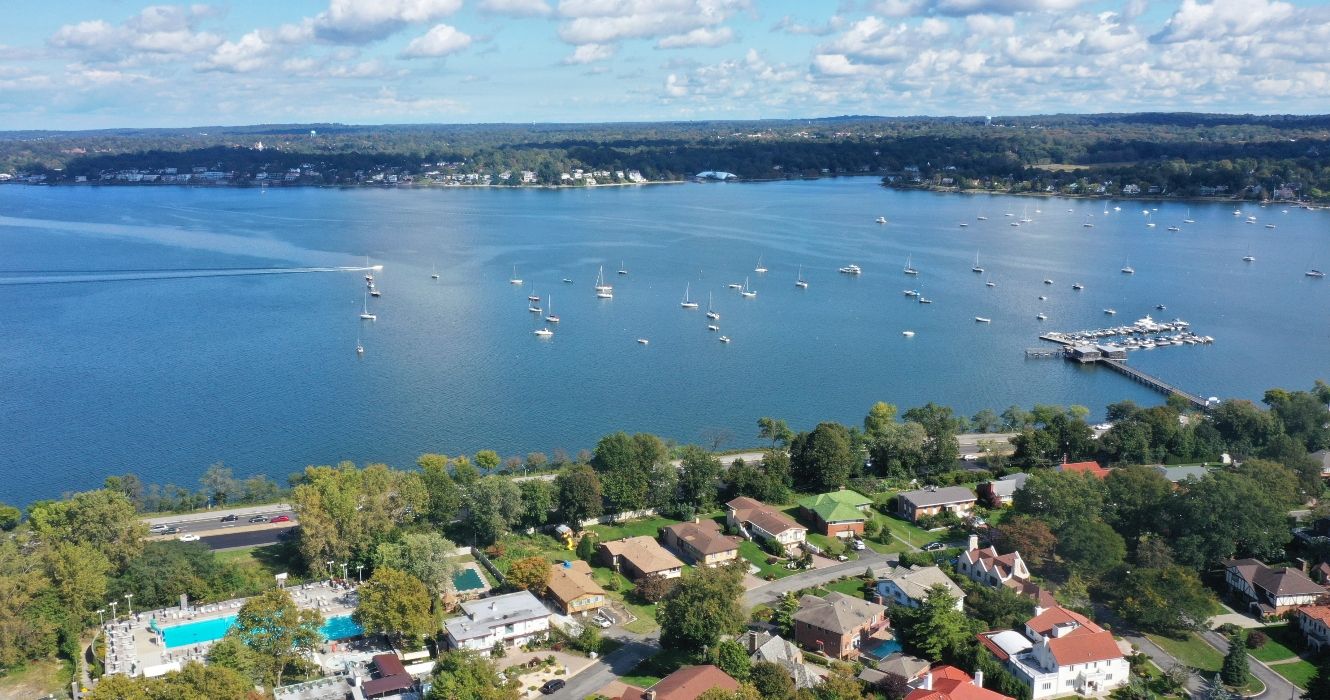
point(1048, 686)
point(1069, 684)
point(1108, 676)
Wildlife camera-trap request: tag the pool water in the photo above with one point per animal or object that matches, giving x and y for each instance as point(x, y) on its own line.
point(467, 580)
point(334, 628)
point(882, 649)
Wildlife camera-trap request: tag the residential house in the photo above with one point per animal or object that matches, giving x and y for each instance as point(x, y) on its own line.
point(837, 513)
point(897, 666)
point(987, 567)
point(1092, 468)
point(760, 521)
point(951, 683)
point(1268, 591)
point(913, 505)
point(838, 625)
point(1322, 459)
point(572, 589)
point(1314, 621)
point(1001, 492)
point(1060, 652)
point(511, 619)
point(702, 542)
point(1177, 475)
point(910, 585)
point(688, 683)
point(764, 646)
point(390, 677)
point(639, 557)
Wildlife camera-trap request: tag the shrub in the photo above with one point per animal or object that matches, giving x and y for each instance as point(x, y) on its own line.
point(1257, 639)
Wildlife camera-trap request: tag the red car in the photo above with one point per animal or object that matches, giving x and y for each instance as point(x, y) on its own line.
point(281, 519)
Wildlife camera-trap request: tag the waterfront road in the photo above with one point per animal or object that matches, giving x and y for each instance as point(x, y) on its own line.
point(246, 538)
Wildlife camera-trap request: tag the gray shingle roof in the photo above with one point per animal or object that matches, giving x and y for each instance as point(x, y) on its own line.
point(924, 498)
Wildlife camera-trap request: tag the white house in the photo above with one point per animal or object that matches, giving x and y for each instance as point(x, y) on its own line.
point(1269, 591)
point(763, 522)
point(909, 586)
point(1314, 621)
point(1061, 653)
point(512, 619)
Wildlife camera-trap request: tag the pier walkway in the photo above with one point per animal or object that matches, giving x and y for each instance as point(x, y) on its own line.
point(1155, 383)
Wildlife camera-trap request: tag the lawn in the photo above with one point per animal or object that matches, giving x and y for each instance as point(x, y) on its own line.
point(754, 554)
point(1298, 672)
point(907, 531)
point(517, 546)
point(853, 587)
point(616, 586)
point(37, 679)
point(652, 669)
point(263, 562)
point(633, 528)
point(1192, 651)
point(1273, 650)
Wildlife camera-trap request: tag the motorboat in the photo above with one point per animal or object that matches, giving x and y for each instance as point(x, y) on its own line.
point(724, 339)
point(881, 219)
point(981, 319)
point(543, 332)
point(643, 341)
point(1042, 316)
point(908, 334)
point(851, 270)
point(1078, 286)
point(1111, 312)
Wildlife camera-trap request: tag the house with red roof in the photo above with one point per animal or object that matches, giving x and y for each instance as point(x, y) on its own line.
point(951, 683)
point(1091, 468)
point(986, 567)
point(1060, 652)
point(1314, 621)
point(687, 683)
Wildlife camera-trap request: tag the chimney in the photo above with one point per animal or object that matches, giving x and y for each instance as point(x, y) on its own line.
point(696, 520)
point(648, 695)
point(928, 681)
point(974, 542)
point(978, 679)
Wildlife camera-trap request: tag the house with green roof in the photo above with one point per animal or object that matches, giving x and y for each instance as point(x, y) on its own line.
point(836, 513)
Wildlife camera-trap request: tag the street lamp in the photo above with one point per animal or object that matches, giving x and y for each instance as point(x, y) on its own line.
point(129, 607)
point(100, 619)
point(343, 571)
point(113, 604)
point(360, 575)
point(330, 563)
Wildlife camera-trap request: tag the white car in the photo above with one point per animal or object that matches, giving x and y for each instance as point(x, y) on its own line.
point(189, 537)
point(157, 529)
point(859, 545)
point(601, 623)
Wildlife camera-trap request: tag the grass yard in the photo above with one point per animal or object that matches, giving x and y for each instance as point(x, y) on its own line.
point(907, 531)
point(261, 563)
point(1298, 672)
point(37, 679)
point(616, 586)
point(755, 555)
point(652, 669)
point(517, 546)
point(1192, 651)
point(1273, 650)
point(633, 528)
point(851, 586)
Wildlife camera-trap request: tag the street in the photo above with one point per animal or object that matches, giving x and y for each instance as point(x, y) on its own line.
point(250, 538)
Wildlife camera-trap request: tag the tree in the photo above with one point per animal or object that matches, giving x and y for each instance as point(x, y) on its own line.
point(494, 505)
point(841, 683)
point(1169, 601)
point(895, 449)
point(628, 466)
point(165, 570)
point(230, 652)
point(783, 616)
point(444, 495)
point(1027, 535)
point(9, 517)
point(578, 495)
point(1060, 498)
point(941, 450)
point(1226, 514)
point(219, 484)
point(428, 556)
point(487, 461)
point(697, 478)
point(530, 573)
point(586, 547)
point(1243, 427)
point(79, 573)
point(937, 629)
point(1318, 688)
point(539, 499)
point(278, 632)
point(1134, 499)
point(822, 460)
point(1234, 670)
point(653, 588)
point(396, 604)
point(1091, 547)
point(1000, 607)
point(986, 421)
point(701, 608)
point(733, 659)
point(106, 520)
point(345, 511)
point(1274, 479)
point(465, 675)
point(774, 682)
point(1301, 416)
point(193, 682)
point(775, 430)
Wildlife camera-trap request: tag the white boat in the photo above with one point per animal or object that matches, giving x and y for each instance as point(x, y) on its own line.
point(981, 217)
point(712, 327)
point(1086, 223)
point(964, 225)
point(760, 267)
point(543, 332)
point(551, 317)
point(360, 349)
point(1048, 280)
point(365, 314)
point(912, 292)
point(1269, 225)
point(799, 281)
point(643, 341)
point(981, 319)
point(990, 283)
point(1117, 208)
point(604, 294)
point(1315, 273)
point(851, 270)
point(734, 285)
point(1237, 212)
point(1160, 307)
point(533, 297)
point(724, 339)
point(908, 334)
point(1043, 298)
point(924, 300)
point(1249, 258)
point(881, 219)
point(603, 291)
point(515, 279)
point(1078, 286)
point(1025, 216)
point(567, 280)
point(746, 292)
point(1042, 316)
point(1127, 269)
point(1111, 312)
point(976, 268)
point(369, 276)
point(711, 313)
point(686, 304)
point(434, 272)
point(1189, 220)
point(374, 292)
point(1015, 223)
point(909, 267)
point(622, 270)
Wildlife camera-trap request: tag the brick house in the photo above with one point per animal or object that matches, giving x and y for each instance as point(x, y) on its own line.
point(838, 625)
point(837, 513)
point(913, 505)
point(702, 542)
point(688, 683)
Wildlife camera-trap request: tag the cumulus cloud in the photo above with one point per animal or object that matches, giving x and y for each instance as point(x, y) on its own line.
point(1222, 18)
point(702, 36)
point(790, 25)
point(677, 23)
point(440, 40)
point(517, 8)
point(589, 53)
point(247, 54)
point(363, 21)
point(157, 31)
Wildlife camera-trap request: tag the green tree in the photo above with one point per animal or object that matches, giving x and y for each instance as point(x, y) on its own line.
point(937, 629)
point(165, 570)
point(428, 556)
point(1234, 671)
point(494, 505)
point(895, 449)
point(79, 574)
point(774, 682)
point(1318, 688)
point(539, 500)
point(1091, 547)
point(1274, 479)
point(1027, 535)
point(1169, 601)
point(697, 478)
point(775, 430)
point(579, 495)
point(999, 607)
point(1134, 500)
point(586, 547)
point(9, 517)
point(465, 675)
point(822, 460)
point(1244, 427)
point(941, 450)
point(220, 484)
point(487, 461)
point(783, 616)
point(701, 608)
point(444, 495)
point(1060, 498)
point(986, 421)
point(230, 652)
point(396, 604)
point(1226, 514)
point(840, 684)
point(278, 632)
point(629, 466)
point(530, 573)
point(345, 511)
point(103, 519)
point(732, 659)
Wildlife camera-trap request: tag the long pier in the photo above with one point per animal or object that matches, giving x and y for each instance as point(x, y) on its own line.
point(1155, 383)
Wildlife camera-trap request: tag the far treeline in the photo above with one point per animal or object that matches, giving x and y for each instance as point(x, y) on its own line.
point(1163, 154)
point(1135, 538)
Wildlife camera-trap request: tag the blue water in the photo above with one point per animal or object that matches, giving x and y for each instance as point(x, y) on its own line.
point(467, 580)
point(166, 377)
point(334, 628)
point(882, 649)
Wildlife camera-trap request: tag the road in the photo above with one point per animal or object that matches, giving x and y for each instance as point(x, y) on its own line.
point(1276, 686)
point(250, 538)
point(725, 461)
point(969, 442)
point(212, 520)
point(770, 592)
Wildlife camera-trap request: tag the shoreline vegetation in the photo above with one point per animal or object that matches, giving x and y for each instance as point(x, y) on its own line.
point(1173, 156)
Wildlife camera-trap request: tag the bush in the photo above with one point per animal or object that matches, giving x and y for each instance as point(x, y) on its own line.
point(1257, 639)
point(773, 547)
point(653, 589)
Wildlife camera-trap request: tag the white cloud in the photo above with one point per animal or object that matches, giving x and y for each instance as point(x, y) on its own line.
point(702, 36)
point(250, 53)
point(517, 8)
point(363, 21)
point(154, 33)
point(790, 25)
point(589, 53)
point(1222, 18)
point(440, 40)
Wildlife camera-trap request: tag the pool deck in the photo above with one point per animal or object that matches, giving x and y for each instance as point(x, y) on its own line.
point(132, 648)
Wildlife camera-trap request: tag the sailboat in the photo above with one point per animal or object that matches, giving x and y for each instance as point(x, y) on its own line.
point(990, 283)
point(1127, 269)
point(1025, 216)
point(686, 304)
point(434, 272)
point(909, 268)
point(1249, 257)
point(534, 306)
point(369, 274)
point(746, 292)
point(603, 291)
point(1086, 223)
point(760, 268)
point(799, 281)
point(622, 270)
point(711, 313)
point(551, 317)
point(1189, 220)
point(360, 349)
point(515, 279)
point(981, 217)
point(976, 268)
point(365, 314)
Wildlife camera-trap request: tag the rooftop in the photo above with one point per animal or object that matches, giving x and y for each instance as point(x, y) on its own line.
point(916, 580)
point(704, 536)
point(1282, 581)
point(687, 683)
point(769, 518)
point(925, 498)
point(1091, 468)
point(644, 553)
point(837, 506)
point(951, 683)
point(837, 612)
point(572, 580)
point(483, 615)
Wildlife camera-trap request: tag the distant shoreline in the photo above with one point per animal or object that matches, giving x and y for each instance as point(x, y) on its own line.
point(1107, 197)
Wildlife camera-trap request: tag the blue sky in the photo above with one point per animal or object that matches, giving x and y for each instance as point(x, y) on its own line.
point(75, 64)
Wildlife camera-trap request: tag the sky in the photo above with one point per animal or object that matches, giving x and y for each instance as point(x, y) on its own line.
point(86, 64)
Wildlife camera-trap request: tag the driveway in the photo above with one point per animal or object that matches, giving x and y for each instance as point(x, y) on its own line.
point(1276, 686)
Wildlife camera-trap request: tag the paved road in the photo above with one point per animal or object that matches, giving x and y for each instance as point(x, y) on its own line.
point(770, 592)
point(251, 538)
point(1195, 683)
point(607, 668)
point(969, 442)
point(209, 521)
point(1276, 686)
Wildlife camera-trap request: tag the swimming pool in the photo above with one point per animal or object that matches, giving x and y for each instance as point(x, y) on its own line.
point(467, 580)
point(334, 628)
point(882, 649)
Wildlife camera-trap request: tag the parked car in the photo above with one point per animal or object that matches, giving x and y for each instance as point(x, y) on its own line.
point(281, 519)
point(171, 530)
point(189, 537)
point(230, 518)
point(554, 686)
point(601, 623)
point(157, 529)
point(858, 545)
point(934, 547)
point(259, 519)
point(842, 557)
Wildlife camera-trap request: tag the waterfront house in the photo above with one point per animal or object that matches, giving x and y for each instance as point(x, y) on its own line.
point(910, 585)
point(837, 513)
point(701, 541)
point(1060, 652)
point(1268, 591)
point(1001, 492)
point(762, 522)
point(838, 625)
point(688, 683)
point(1177, 475)
point(951, 683)
point(925, 502)
point(1322, 460)
point(639, 557)
point(1314, 621)
point(512, 619)
point(572, 589)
